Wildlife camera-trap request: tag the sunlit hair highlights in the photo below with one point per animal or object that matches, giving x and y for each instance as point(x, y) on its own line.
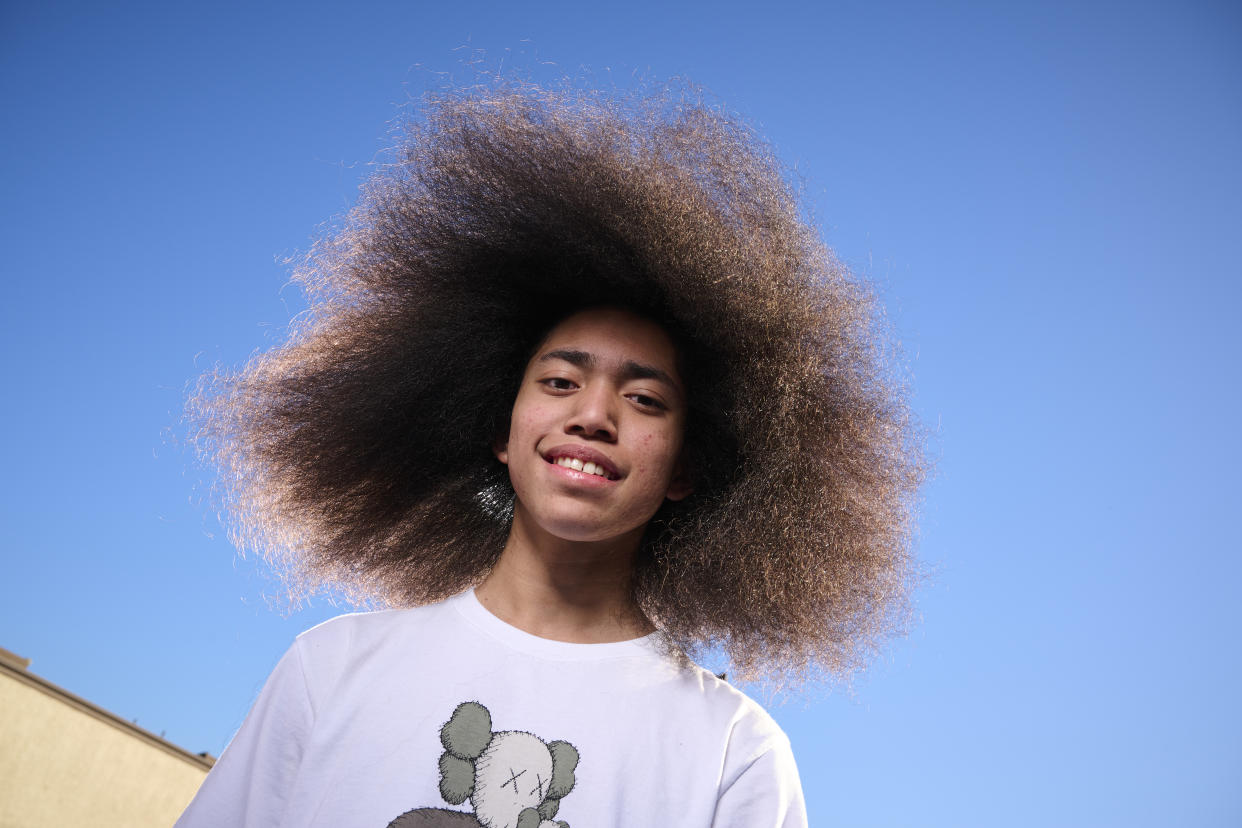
point(358, 455)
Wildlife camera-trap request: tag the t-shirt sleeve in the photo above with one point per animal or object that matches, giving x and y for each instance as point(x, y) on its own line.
point(250, 783)
point(766, 793)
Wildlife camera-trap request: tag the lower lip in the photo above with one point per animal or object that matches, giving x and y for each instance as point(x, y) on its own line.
point(580, 477)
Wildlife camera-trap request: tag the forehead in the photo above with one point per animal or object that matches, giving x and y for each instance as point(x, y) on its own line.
point(612, 335)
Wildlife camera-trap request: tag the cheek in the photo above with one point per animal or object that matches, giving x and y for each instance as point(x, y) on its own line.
point(528, 425)
point(526, 422)
point(659, 453)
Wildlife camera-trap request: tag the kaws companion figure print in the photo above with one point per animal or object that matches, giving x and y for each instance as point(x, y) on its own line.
point(512, 778)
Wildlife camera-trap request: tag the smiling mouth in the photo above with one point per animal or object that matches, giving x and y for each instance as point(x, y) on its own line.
point(586, 468)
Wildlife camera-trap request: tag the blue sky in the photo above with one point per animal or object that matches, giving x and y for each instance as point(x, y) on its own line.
point(1046, 194)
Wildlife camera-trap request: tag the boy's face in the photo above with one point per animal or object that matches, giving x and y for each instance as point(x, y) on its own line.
point(595, 438)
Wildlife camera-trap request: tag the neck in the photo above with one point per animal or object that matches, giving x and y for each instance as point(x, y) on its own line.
point(576, 591)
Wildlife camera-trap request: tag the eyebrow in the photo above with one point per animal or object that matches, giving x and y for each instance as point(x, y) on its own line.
point(630, 370)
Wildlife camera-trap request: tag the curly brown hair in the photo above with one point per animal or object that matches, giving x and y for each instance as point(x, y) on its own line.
point(358, 455)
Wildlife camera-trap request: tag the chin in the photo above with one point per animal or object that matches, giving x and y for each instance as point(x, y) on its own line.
point(577, 527)
point(578, 532)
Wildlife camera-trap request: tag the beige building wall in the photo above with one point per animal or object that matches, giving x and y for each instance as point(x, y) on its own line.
point(64, 761)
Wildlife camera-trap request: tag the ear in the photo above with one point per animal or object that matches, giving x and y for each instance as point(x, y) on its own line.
point(564, 760)
point(500, 448)
point(467, 734)
point(680, 487)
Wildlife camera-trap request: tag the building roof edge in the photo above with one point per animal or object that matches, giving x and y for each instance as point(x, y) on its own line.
point(14, 667)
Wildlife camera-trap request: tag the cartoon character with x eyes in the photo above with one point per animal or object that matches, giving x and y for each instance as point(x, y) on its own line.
point(512, 778)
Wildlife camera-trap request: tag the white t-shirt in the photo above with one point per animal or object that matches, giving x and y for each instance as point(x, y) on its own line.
point(447, 716)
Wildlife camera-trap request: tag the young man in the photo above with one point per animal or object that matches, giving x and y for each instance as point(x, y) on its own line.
point(582, 394)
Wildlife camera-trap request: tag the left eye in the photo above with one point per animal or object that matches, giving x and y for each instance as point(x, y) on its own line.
point(646, 401)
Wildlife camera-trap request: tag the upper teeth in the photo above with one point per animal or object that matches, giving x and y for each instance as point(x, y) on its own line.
point(577, 465)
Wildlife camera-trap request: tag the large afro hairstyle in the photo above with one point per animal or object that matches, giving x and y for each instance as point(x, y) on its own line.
point(358, 456)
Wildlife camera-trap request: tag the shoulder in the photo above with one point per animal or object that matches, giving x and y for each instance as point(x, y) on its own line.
point(755, 775)
point(345, 630)
point(750, 723)
point(759, 781)
point(356, 643)
point(706, 709)
point(361, 628)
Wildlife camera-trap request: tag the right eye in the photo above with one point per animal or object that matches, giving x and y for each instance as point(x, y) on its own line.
point(558, 384)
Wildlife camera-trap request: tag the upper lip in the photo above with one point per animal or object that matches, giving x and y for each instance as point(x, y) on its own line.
point(585, 454)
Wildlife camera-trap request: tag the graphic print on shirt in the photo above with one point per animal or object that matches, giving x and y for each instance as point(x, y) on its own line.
point(513, 779)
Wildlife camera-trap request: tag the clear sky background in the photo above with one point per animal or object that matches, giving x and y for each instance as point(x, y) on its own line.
point(1049, 196)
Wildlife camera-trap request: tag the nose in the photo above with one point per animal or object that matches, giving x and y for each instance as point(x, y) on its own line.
point(593, 415)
